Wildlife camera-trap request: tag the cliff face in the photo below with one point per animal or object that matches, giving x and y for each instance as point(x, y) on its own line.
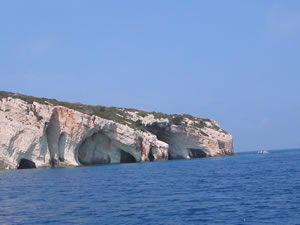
point(36, 134)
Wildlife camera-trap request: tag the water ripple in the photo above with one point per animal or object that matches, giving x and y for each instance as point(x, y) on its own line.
point(244, 189)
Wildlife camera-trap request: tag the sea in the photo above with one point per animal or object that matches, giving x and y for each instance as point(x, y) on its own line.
point(247, 188)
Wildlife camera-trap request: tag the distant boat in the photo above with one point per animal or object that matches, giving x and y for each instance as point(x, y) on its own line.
point(263, 152)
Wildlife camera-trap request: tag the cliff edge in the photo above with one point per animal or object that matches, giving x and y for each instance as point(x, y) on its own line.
point(39, 132)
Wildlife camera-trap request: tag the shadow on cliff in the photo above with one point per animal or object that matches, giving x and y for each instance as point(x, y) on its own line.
point(55, 139)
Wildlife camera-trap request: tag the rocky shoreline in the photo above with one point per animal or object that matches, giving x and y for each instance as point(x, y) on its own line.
point(38, 132)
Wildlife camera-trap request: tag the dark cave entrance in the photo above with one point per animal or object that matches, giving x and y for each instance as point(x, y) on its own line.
point(197, 153)
point(126, 157)
point(150, 155)
point(26, 164)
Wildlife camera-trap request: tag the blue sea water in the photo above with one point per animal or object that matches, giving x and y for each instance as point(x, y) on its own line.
point(247, 188)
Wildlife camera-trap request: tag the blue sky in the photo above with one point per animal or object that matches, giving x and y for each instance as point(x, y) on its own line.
point(236, 62)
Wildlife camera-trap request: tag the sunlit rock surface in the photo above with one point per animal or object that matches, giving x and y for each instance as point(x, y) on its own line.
point(49, 135)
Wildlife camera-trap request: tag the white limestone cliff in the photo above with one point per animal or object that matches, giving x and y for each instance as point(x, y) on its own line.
point(47, 135)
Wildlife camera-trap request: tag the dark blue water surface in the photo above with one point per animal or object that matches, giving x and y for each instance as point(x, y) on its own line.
point(248, 188)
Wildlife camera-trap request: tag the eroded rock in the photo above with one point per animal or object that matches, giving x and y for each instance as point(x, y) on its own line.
point(55, 136)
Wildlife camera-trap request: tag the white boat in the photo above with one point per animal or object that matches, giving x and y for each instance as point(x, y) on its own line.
point(263, 152)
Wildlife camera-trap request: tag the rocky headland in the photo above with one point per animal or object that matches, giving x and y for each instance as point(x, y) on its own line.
point(39, 132)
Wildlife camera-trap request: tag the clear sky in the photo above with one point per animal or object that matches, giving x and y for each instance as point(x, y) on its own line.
point(236, 62)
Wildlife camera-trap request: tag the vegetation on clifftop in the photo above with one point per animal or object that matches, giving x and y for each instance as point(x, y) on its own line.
point(115, 114)
point(110, 113)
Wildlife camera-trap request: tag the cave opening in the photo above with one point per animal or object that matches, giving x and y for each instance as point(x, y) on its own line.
point(61, 147)
point(170, 154)
point(26, 164)
point(126, 157)
point(92, 150)
point(100, 149)
point(150, 155)
point(197, 153)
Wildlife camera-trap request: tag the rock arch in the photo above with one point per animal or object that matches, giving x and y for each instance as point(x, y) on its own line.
point(100, 149)
point(126, 157)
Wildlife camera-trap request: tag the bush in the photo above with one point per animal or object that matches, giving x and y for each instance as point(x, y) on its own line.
point(118, 115)
point(142, 113)
point(139, 125)
point(200, 124)
point(177, 120)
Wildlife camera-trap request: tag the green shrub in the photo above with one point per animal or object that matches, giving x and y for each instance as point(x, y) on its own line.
point(118, 115)
point(177, 120)
point(143, 114)
point(200, 124)
point(159, 115)
point(139, 125)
